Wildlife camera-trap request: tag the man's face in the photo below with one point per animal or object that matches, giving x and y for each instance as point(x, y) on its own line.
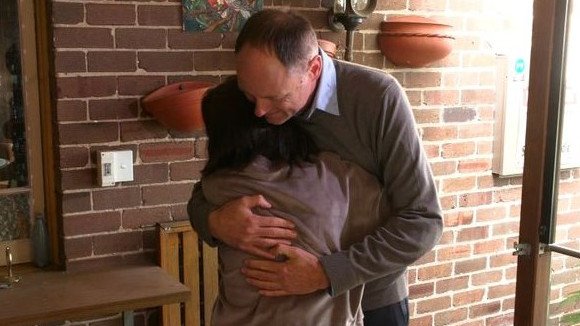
point(279, 93)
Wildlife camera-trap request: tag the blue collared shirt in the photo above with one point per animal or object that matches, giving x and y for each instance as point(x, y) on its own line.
point(325, 98)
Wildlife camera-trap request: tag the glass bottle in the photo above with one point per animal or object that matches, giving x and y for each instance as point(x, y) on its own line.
point(40, 242)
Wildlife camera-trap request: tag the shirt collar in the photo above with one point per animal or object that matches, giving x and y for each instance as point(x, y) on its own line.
point(325, 98)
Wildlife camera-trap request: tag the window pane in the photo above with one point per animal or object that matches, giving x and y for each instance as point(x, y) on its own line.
point(13, 161)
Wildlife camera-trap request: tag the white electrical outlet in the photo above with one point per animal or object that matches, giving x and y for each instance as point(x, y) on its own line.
point(114, 166)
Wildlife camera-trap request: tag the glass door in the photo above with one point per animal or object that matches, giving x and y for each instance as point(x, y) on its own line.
point(21, 174)
point(548, 279)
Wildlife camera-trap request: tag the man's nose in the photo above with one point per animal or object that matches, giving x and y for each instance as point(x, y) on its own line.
point(262, 107)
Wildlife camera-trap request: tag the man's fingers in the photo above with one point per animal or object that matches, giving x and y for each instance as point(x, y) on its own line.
point(257, 200)
point(275, 222)
point(268, 286)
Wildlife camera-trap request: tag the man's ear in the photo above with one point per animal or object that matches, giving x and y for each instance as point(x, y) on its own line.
point(315, 67)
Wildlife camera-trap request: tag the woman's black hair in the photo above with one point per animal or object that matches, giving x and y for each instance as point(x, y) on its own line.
point(237, 136)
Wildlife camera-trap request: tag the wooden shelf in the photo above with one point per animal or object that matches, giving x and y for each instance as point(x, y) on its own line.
point(42, 296)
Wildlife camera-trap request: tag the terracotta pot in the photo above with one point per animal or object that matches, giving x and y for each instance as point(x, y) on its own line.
point(415, 24)
point(328, 46)
point(178, 106)
point(414, 41)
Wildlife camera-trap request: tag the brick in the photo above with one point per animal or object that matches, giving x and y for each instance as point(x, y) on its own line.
point(423, 320)
point(111, 61)
point(452, 285)
point(457, 251)
point(468, 266)
point(110, 14)
point(177, 39)
point(369, 59)
point(159, 15)
point(229, 40)
point(478, 97)
point(476, 131)
point(486, 278)
point(432, 305)
point(426, 259)
point(77, 179)
point(95, 86)
point(415, 97)
point(91, 223)
point(443, 168)
point(165, 61)
point(150, 173)
point(505, 228)
point(67, 13)
point(458, 184)
point(475, 199)
point(455, 150)
point(391, 5)
point(76, 202)
point(427, 116)
point(503, 320)
point(458, 218)
point(473, 6)
point(166, 151)
point(139, 85)
point(113, 109)
point(441, 97)
point(83, 37)
point(488, 214)
point(140, 130)
point(433, 272)
point(488, 308)
point(508, 195)
point(421, 291)
point(448, 202)
point(151, 242)
point(450, 317)
point(167, 194)
point(186, 170)
point(116, 198)
point(500, 291)
point(69, 61)
point(114, 261)
point(505, 258)
point(468, 297)
point(136, 218)
point(459, 114)
point(74, 157)
point(422, 79)
point(428, 5)
point(201, 148)
point(439, 133)
point(475, 165)
point(179, 212)
point(140, 38)
point(78, 247)
point(488, 247)
point(88, 133)
point(318, 18)
point(214, 61)
point(117, 242)
point(71, 110)
point(472, 233)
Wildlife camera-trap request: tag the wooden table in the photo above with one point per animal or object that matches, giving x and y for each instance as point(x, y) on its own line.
point(55, 296)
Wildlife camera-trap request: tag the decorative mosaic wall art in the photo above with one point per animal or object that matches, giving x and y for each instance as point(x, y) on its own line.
point(218, 15)
point(14, 216)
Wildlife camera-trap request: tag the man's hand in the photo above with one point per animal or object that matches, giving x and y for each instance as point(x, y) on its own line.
point(235, 224)
point(300, 273)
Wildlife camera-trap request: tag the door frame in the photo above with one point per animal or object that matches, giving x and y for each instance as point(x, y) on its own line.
point(541, 164)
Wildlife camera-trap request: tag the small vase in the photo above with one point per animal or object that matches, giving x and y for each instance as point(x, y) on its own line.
point(39, 236)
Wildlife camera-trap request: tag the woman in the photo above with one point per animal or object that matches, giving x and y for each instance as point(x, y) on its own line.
point(320, 193)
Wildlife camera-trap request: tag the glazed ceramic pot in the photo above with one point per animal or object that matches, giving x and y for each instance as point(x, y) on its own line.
point(414, 41)
point(328, 46)
point(178, 106)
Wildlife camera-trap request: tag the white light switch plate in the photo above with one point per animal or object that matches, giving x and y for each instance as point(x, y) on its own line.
point(115, 166)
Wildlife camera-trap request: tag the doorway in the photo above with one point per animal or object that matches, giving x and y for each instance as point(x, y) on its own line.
point(548, 276)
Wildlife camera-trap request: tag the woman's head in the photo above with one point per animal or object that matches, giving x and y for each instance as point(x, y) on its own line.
point(237, 136)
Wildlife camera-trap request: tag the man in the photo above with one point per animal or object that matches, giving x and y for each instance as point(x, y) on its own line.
point(362, 115)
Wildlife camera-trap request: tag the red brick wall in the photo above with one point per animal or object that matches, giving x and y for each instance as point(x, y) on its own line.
point(109, 54)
